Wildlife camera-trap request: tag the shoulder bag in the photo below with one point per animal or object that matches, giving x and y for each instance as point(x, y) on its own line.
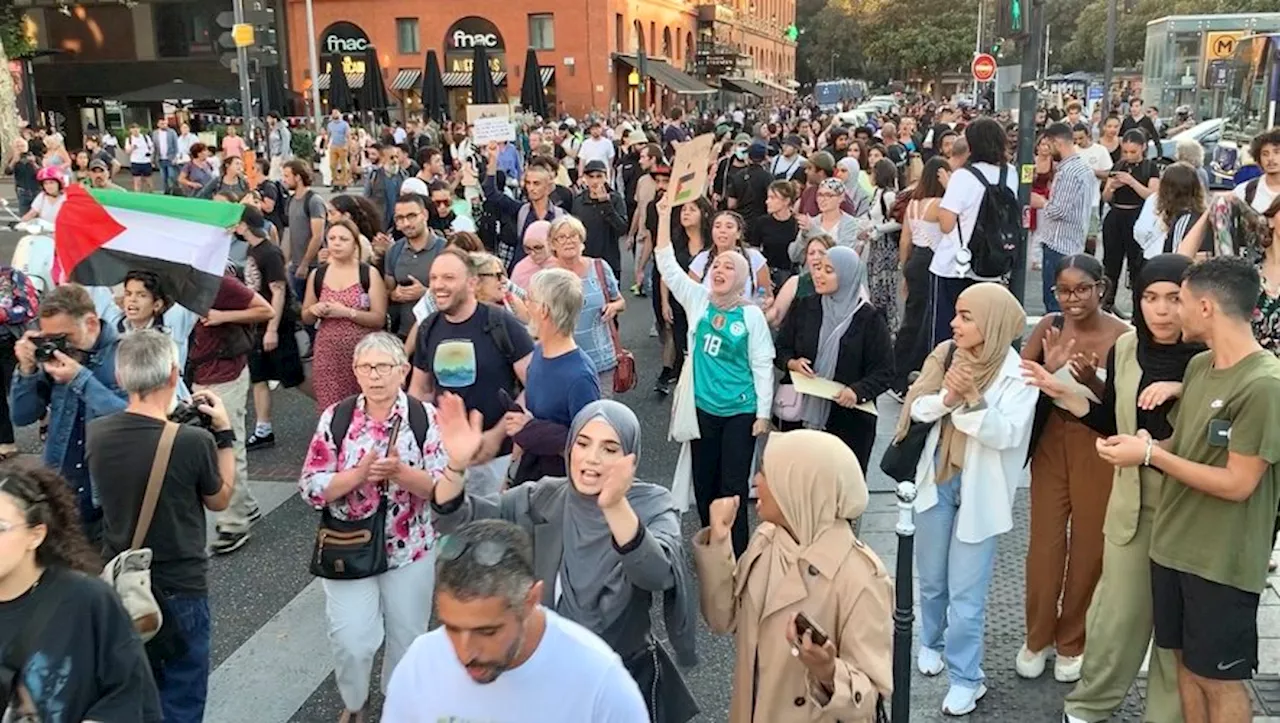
point(624, 375)
point(351, 549)
point(902, 458)
point(129, 573)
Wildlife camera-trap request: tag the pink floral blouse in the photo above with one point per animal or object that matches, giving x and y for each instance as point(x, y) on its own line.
point(410, 533)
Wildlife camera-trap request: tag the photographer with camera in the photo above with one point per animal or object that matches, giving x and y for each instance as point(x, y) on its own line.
point(68, 367)
point(200, 475)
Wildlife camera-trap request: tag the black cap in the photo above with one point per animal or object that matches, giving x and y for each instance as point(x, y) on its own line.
point(595, 165)
point(758, 151)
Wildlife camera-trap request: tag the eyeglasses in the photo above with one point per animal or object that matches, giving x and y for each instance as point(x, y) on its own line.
point(382, 368)
point(442, 202)
point(827, 194)
point(531, 248)
point(1080, 292)
point(491, 274)
point(564, 237)
point(487, 553)
point(407, 217)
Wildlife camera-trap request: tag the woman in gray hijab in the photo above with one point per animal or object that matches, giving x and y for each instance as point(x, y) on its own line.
point(603, 544)
point(850, 172)
point(837, 334)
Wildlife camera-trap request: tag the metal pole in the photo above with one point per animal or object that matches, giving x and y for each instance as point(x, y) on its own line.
point(242, 70)
point(314, 59)
point(1110, 60)
point(1047, 28)
point(1028, 99)
point(977, 49)
point(903, 609)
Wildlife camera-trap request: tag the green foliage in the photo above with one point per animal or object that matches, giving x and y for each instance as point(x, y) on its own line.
point(302, 143)
point(16, 44)
point(879, 40)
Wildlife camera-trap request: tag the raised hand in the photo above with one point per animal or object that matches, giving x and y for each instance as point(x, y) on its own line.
point(724, 511)
point(1056, 351)
point(616, 480)
point(460, 432)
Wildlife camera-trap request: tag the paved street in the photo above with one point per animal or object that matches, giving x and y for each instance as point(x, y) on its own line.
point(270, 651)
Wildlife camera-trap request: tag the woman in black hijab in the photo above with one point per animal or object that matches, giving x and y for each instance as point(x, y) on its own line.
point(1143, 378)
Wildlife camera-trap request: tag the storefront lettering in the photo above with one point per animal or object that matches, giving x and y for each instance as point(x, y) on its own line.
point(462, 39)
point(334, 44)
point(465, 65)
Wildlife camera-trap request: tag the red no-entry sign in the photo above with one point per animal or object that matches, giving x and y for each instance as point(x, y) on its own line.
point(983, 67)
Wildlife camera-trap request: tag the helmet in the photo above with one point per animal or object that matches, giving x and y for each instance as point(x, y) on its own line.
point(1183, 110)
point(50, 173)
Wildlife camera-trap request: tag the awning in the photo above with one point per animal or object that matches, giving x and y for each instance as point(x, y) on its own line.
point(406, 79)
point(460, 79)
point(777, 86)
point(676, 81)
point(547, 72)
point(742, 85)
point(354, 80)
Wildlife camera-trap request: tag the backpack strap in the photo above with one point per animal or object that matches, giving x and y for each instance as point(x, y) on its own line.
point(497, 331)
point(159, 465)
point(1251, 190)
point(418, 422)
point(340, 422)
point(317, 281)
point(522, 217)
point(393, 256)
point(951, 355)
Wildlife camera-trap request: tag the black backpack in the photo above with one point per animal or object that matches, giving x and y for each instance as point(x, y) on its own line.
point(344, 410)
point(998, 233)
point(494, 328)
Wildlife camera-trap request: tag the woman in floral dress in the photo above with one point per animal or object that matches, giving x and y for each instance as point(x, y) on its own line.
point(350, 476)
point(347, 300)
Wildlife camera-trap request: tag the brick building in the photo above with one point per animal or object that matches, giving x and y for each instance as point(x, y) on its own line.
point(587, 49)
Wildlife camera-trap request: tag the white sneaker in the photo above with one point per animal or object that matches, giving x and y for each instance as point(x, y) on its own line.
point(1066, 668)
point(929, 661)
point(1031, 665)
point(961, 700)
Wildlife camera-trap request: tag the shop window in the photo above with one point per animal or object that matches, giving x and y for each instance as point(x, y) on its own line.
point(185, 30)
point(407, 36)
point(542, 31)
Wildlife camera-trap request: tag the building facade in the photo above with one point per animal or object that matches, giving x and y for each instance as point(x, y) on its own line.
point(589, 51)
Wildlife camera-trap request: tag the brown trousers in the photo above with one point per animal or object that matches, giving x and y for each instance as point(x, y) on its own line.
point(1070, 486)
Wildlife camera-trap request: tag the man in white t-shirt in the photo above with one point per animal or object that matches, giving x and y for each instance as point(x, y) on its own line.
point(958, 214)
point(597, 148)
point(1099, 160)
point(498, 655)
point(1261, 191)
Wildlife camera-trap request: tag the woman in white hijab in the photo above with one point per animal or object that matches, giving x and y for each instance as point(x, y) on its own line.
point(730, 365)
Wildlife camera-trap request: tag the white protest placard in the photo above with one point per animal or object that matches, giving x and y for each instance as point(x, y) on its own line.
point(490, 123)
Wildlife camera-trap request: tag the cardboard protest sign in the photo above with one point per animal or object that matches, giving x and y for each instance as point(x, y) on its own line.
point(690, 168)
point(489, 123)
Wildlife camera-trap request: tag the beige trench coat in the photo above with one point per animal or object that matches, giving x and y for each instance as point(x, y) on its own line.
point(841, 585)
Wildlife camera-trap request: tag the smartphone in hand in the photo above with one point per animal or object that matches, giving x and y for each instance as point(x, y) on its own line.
point(394, 436)
point(804, 624)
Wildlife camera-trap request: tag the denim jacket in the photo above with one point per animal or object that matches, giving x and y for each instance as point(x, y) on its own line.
point(95, 385)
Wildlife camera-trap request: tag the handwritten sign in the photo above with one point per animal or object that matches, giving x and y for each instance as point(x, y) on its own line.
point(490, 123)
point(690, 168)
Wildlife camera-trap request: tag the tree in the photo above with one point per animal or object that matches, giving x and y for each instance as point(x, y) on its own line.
point(1086, 47)
point(14, 42)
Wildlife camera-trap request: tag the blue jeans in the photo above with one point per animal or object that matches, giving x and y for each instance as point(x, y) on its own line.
point(168, 174)
point(954, 577)
point(25, 199)
point(1049, 269)
point(184, 681)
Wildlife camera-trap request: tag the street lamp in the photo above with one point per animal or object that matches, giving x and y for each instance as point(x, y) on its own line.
point(834, 56)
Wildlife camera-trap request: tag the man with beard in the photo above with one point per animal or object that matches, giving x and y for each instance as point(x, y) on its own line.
point(383, 186)
point(478, 352)
point(1064, 215)
point(408, 261)
point(488, 600)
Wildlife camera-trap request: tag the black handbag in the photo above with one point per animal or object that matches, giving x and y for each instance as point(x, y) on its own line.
point(902, 458)
point(351, 549)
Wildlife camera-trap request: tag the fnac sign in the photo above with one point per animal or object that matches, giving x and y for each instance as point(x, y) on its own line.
point(473, 32)
point(1221, 45)
point(344, 38)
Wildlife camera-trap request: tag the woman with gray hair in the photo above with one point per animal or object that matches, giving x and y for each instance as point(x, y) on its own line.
point(561, 379)
point(604, 543)
point(830, 221)
point(602, 299)
point(1189, 150)
point(373, 485)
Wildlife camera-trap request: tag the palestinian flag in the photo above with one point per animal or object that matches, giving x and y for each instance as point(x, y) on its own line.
point(102, 235)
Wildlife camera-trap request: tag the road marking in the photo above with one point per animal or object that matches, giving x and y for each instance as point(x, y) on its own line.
point(273, 674)
point(269, 495)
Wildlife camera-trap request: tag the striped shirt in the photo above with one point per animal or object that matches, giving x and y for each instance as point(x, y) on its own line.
point(1064, 220)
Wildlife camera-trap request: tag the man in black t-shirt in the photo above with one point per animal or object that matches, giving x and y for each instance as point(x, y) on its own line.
point(747, 190)
point(201, 475)
point(477, 351)
point(275, 355)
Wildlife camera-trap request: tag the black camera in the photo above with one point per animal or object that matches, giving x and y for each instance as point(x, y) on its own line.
point(186, 413)
point(47, 344)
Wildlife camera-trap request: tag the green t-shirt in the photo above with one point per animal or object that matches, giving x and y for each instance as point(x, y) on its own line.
point(722, 380)
point(1222, 410)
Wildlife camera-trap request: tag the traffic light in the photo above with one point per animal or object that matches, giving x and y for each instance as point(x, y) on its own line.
point(792, 32)
point(1011, 19)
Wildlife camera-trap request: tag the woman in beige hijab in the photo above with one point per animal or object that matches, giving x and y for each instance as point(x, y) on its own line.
point(981, 410)
point(803, 558)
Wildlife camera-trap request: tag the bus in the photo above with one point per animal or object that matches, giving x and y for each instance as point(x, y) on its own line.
point(1253, 81)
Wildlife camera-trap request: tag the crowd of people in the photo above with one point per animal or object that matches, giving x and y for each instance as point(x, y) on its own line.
point(829, 274)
